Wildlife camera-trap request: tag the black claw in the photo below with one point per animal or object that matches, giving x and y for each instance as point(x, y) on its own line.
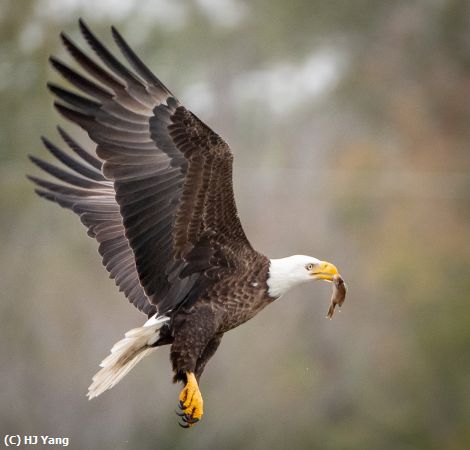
point(190, 420)
point(187, 420)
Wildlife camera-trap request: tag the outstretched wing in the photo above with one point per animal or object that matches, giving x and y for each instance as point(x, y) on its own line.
point(92, 197)
point(171, 174)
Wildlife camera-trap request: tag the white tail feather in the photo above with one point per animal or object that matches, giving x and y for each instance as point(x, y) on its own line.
point(125, 354)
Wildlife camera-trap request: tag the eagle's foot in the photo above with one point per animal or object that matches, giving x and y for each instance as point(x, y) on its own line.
point(190, 402)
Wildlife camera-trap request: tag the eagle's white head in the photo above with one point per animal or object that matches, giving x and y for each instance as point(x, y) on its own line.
point(285, 273)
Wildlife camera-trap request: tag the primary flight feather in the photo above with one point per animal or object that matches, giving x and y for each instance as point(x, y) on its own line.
point(157, 196)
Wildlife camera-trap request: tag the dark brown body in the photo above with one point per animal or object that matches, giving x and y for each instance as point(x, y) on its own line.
point(195, 331)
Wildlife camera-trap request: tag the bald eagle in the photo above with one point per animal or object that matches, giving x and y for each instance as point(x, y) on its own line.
point(157, 196)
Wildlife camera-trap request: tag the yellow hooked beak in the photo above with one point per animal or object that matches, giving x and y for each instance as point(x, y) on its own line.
point(324, 271)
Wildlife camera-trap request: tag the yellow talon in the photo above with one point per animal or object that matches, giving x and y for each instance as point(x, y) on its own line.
point(191, 401)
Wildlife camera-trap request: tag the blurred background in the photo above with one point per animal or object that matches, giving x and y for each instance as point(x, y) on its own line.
point(350, 124)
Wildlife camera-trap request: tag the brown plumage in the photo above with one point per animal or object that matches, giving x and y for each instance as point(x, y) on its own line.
point(158, 198)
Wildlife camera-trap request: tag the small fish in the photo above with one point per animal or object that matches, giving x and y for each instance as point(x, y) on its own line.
point(339, 294)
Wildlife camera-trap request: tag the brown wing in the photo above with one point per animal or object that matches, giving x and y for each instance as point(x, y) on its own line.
point(92, 197)
point(171, 174)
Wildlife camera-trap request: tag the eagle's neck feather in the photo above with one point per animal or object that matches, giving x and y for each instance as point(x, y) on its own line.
point(285, 273)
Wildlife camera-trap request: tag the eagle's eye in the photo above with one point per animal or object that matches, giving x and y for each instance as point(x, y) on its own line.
point(309, 267)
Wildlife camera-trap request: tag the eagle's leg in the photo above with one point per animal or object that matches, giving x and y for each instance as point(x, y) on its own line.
point(191, 402)
point(193, 334)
